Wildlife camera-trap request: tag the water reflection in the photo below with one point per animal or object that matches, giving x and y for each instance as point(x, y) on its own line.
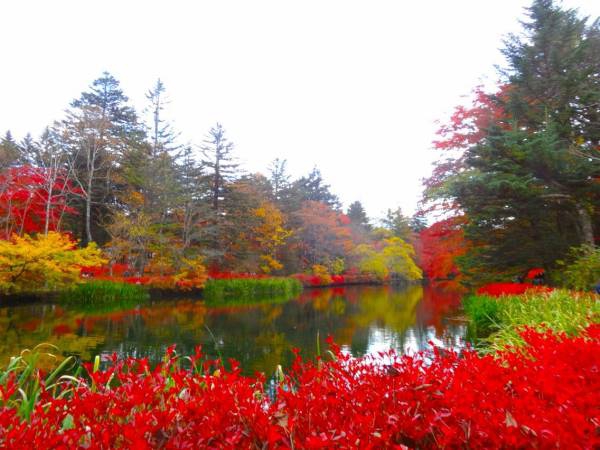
point(361, 319)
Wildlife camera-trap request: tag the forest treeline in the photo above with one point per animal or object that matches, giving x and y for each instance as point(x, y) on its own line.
point(107, 175)
point(517, 185)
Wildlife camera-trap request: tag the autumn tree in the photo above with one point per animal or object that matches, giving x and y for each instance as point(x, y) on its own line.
point(43, 263)
point(269, 235)
point(56, 187)
point(279, 178)
point(218, 162)
point(358, 216)
point(98, 129)
point(251, 221)
point(32, 199)
point(160, 184)
point(390, 257)
point(323, 234)
point(193, 209)
point(311, 187)
point(521, 161)
point(9, 151)
point(440, 246)
point(398, 224)
point(149, 193)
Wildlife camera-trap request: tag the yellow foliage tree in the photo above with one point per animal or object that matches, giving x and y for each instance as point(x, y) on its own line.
point(191, 274)
point(322, 272)
point(395, 257)
point(43, 263)
point(270, 234)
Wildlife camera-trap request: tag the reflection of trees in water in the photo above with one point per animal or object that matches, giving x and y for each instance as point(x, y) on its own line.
point(24, 327)
point(383, 316)
point(260, 337)
point(403, 319)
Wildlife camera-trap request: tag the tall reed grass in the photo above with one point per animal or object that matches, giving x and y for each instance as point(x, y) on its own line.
point(100, 295)
point(497, 321)
point(248, 290)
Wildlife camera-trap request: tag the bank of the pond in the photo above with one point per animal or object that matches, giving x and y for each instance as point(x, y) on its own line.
point(228, 288)
point(349, 279)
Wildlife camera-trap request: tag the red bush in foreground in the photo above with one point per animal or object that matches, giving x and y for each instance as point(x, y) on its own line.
point(542, 396)
point(498, 289)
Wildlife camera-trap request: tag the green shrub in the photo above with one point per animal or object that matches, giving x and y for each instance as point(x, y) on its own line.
point(483, 314)
point(582, 269)
point(250, 290)
point(503, 317)
point(100, 294)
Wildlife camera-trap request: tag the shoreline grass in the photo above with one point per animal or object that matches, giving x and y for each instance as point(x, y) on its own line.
point(100, 295)
point(248, 290)
point(496, 321)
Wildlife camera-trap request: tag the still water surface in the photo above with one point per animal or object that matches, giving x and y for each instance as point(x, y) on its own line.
point(362, 319)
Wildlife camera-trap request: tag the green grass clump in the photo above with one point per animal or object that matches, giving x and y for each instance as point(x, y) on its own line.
point(497, 321)
point(483, 313)
point(250, 290)
point(34, 370)
point(100, 294)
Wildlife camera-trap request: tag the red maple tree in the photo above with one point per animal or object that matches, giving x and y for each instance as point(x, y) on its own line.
point(440, 244)
point(32, 200)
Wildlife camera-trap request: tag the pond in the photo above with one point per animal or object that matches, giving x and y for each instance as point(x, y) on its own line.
point(362, 319)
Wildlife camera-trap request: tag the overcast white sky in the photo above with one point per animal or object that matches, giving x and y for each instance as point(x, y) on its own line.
point(353, 87)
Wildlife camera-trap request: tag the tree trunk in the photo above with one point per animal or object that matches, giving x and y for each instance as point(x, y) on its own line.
point(47, 218)
point(586, 227)
point(88, 213)
point(584, 219)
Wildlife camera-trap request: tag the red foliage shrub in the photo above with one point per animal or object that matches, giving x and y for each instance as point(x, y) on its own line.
point(308, 280)
point(535, 272)
point(94, 271)
point(136, 280)
point(498, 289)
point(337, 279)
point(234, 275)
point(61, 329)
point(103, 272)
point(544, 395)
point(119, 270)
point(354, 277)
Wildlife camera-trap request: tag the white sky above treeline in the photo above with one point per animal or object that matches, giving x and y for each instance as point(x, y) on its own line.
point(353, 87)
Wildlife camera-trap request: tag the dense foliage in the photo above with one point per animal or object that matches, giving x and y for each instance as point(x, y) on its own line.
point(43, 263)
point(521, 163)
point(581, 268)
point(543, 394)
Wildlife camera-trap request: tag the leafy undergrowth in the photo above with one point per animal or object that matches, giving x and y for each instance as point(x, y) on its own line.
point(542, 395)
point(497, 320)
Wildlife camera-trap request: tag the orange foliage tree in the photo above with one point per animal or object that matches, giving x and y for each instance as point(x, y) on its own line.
point(324, 234)
point(440, 245)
